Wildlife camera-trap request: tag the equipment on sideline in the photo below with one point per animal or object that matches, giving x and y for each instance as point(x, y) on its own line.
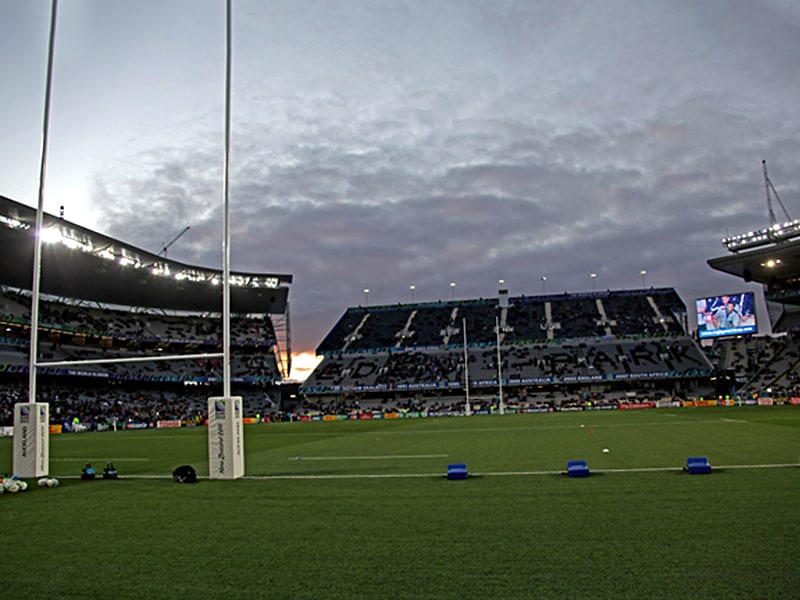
point(577, 468)
point(698, 465)
point(457, 471)
point(185, 474)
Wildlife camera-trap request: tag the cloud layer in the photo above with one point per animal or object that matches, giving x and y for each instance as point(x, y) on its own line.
point(379, 145)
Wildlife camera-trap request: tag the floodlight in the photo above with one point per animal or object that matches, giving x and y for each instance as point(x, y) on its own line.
point(13, 223)
point(50, 235)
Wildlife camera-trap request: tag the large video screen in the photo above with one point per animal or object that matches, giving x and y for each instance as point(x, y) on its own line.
point(734, 314)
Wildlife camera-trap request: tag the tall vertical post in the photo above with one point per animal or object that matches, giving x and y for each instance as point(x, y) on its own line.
point(37, 246)
point(225, 413)
point(499, 366)
point(31, 419)
point(467, 407)
point(226, 238)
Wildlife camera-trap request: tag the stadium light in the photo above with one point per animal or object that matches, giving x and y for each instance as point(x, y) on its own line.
point(453, 289)
point(106, 254)
point(126, 261)
point(594, 278)
point(762, 237)
point(643, 273)
point(82, 241)
point(544, 284)
point(366, 296)
point(412, 287)
point(13, 223)
point(50, 235)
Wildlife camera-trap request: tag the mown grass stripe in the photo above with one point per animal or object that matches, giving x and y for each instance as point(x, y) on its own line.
point(368, 457)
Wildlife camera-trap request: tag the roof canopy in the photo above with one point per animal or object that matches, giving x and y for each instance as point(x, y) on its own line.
point(769, 265)
point(82, 264)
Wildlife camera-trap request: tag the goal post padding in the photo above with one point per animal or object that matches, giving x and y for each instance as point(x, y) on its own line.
point(225, 438)
point(31, 439)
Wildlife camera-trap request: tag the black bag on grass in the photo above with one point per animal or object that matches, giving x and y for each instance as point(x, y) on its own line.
point(185, 474)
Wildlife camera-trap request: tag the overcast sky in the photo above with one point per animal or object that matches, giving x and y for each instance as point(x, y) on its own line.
point(381, 144)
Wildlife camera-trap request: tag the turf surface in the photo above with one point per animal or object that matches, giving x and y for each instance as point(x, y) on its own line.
point(362, 509)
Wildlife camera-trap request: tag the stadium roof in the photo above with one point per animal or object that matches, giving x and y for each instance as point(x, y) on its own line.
point(85, 265)
point(770, 265)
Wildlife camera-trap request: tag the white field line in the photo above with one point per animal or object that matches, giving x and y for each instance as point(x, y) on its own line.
point(443, 474)
point(141, 436)
point(374, 457)
point(361, 476)
point(734, 420)
point(515, 473)
point(588, 423)
point(104, 459)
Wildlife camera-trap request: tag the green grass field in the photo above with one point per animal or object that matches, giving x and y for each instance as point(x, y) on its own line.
point(362, 509)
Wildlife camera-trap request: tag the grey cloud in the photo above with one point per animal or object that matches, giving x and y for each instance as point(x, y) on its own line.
point(551, 148)
point(345, 219)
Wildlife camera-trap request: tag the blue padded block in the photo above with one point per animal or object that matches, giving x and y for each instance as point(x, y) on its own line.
point(698, 465)
point(577, 468)
point(457, 471)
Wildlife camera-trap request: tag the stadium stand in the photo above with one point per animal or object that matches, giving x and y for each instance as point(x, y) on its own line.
point(103, 300)
point(555, 351)
point(175, 387)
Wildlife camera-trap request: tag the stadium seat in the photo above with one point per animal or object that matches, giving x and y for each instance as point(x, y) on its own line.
point(577, 468)
point(698, 465)
point(457, 471)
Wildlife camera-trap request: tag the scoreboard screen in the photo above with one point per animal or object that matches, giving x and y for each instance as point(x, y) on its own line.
point(731, 314)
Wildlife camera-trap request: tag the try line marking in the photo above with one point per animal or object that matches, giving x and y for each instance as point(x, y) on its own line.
point(512, 473)
point(372, 457)
point(98, 460)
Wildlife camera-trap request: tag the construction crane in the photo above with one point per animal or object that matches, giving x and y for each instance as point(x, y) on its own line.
point(768, 185)
point(175, 239)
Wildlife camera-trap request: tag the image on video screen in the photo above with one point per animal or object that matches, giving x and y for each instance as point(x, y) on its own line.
point(732, 314)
